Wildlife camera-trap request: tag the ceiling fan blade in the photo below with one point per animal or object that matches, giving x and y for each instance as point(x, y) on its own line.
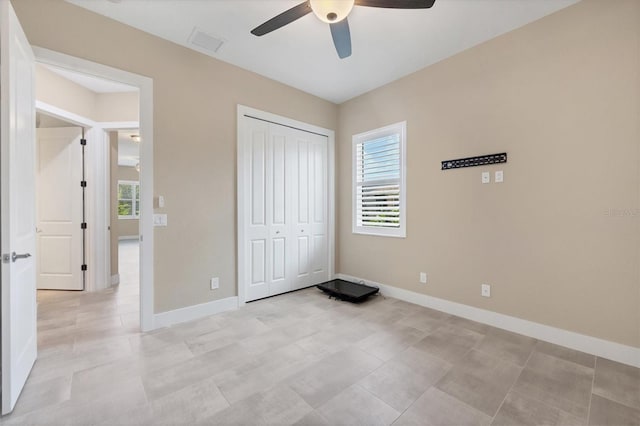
point(283, 19)
point(397, 4)
point(341, 38)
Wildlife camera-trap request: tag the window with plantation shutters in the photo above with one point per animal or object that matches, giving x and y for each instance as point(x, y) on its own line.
point(379, 181)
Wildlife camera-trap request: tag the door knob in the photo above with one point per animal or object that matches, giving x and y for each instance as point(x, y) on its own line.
point(15, 256)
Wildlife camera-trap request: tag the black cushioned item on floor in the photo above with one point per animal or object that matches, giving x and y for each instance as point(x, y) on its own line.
point(345, 290)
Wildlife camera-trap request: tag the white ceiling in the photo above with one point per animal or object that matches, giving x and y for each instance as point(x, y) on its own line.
point(95, 84)
point(387, 44)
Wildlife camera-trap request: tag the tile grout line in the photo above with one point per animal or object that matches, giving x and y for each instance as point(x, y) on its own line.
point(513, 384)
point(544, 402)
point(593, 382)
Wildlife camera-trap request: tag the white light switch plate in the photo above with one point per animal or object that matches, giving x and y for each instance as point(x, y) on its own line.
point(486, 290)
point(423, 277)
point(499, 176)
point(160, 201)
point(159, 219)
point(215, 283)
point(486, 177)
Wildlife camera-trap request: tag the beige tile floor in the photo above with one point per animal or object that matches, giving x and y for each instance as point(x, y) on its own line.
point(301, 358)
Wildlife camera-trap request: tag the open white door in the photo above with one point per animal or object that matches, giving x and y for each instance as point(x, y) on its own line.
point(59, 172)
point(17, 212)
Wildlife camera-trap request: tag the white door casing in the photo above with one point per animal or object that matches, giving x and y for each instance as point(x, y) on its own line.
point(100, 238)
point(59, 208)
point(283, 209)
point(17, 212)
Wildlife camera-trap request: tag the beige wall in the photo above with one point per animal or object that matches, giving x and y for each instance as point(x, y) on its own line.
point(113, 210)
point(127, 227)
point(195, 100)
point(117, 107)
point(56, 90)
point(561, 96)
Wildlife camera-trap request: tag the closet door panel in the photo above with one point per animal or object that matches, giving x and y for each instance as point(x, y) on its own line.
point(303, 258)
point(302, 217)
point(279, 282)
point(279, 215)
point(303, 208)
point(319, 225)
point(279, 188)
point(255, 198)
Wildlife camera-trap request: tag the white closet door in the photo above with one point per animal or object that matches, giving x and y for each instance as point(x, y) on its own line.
point(310, 256)
point(318, 227)
point(278, 204)
point(301, 259)
point(255, 213)
point(284, 218)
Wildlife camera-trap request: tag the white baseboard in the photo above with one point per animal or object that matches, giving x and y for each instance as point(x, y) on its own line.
point(128, 237)
point(115, 279)
point(190, 313)
point(603, 348)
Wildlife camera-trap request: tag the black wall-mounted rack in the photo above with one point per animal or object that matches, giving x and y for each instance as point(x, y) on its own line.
point(482, 160)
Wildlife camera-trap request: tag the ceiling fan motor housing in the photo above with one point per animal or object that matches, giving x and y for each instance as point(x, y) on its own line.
point(331, 11)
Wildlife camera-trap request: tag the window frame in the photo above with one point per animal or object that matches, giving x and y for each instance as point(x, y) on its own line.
point(401, 130)
point(134, 202)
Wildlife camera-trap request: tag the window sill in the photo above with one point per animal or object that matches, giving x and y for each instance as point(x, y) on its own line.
point(393, 233)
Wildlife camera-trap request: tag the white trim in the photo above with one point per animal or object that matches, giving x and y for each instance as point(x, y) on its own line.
point(119, 125)
point(97, 209)
point(128, 237)
point(115, 279)
point(392, 129)
point(331, 202)
point(145, 85)
point(190, 313)
point(592, 345)
point(64, 115)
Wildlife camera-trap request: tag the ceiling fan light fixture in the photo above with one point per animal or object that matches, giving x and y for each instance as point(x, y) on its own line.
point(331, 11)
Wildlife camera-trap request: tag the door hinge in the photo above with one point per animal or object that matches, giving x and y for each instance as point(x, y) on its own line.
point(83, 225)
point(84, 267)
point(83, 141)
point(83, 183)
point(6, 258)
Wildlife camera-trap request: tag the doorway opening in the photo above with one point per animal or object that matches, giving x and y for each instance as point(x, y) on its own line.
point(120, 106)
point(125, 218)
point(72, 183)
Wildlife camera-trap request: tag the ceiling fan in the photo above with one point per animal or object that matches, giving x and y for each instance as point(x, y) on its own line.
point(334, 13)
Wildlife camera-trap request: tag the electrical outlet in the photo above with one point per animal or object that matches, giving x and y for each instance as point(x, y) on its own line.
point(215, 283)
point(486, 290)
point(486, 177)
point(423, 277)
point(499, 176)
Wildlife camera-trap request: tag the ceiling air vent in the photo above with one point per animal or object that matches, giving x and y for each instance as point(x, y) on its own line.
point(205, 42)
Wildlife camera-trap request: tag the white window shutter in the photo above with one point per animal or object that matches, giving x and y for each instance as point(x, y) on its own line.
point(378, 163)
